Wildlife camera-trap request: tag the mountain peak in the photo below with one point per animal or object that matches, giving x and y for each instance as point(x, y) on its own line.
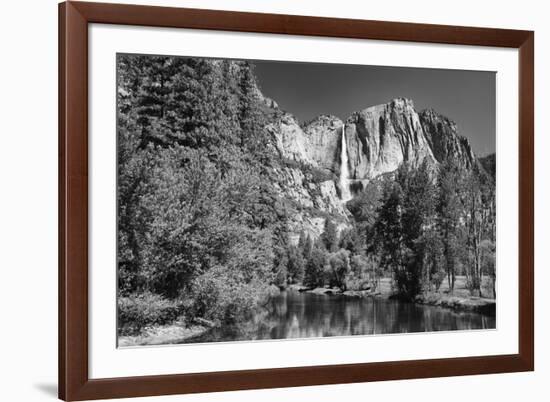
point(323, 119)
point(398, 104)
point(431, 114)
point(441, 133)
point(402, 102)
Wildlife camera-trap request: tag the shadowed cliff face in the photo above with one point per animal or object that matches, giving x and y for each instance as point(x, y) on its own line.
point(442, 137)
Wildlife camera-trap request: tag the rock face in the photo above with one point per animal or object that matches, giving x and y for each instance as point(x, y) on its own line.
point(442, 137)
point(289, 139)
point(309, 201)
point(381, 138)
point(300, 187)
point(317, 143)
point(322, 137)
point(489, 164)
point(378, 140)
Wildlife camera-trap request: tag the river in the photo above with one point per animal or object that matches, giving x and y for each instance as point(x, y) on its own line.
point(293, 314)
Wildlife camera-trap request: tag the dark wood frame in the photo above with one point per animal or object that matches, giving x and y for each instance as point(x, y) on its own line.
point(74, 383)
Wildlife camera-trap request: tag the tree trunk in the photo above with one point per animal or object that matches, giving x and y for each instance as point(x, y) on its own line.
point(453, 281)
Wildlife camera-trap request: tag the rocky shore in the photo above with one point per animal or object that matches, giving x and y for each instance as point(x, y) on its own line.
point(335, 291)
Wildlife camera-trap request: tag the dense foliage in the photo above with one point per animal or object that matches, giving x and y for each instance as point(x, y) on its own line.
point(198, 224)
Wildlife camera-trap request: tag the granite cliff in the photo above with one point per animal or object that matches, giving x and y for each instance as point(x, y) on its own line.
point(378, 140)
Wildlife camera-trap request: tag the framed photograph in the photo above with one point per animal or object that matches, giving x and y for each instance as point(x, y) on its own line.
point(258, 200)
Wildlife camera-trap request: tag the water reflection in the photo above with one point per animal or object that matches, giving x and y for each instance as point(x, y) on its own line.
point(293, 314)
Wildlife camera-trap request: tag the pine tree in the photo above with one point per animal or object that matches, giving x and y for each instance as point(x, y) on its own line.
point(302, 240)
point(330, 236)
point(307, 247)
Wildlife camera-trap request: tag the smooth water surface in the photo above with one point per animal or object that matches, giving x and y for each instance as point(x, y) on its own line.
point(292, 314)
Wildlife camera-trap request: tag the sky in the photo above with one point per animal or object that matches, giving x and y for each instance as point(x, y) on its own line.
point(307, 90)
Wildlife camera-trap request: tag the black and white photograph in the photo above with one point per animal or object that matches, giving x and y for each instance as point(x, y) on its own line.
point(268, 200)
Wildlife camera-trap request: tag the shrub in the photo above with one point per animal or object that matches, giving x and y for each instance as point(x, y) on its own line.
point(339, 269)
point(222, 297)
point(320, 175)
point(280, 276)
point(361, 276)
point(359, 282)
point(140, 310)
point(437, 278)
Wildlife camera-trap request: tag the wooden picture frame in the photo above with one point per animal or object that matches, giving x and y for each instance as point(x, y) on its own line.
point(74, 381)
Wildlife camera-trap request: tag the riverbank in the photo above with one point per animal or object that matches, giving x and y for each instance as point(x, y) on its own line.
point(335, 291)
point(383, 290)
point(459, 300)
point(177, 331)
point(200, 330)
point(471, 304)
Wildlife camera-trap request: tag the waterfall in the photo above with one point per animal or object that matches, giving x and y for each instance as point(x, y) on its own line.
point(344, 172)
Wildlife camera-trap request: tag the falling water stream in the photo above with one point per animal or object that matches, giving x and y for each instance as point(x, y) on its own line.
point(344, 171)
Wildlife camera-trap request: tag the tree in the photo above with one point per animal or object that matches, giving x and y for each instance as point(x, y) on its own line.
point(134, 167)
point(365, 206)
point(295, 265)
point(350, 240)
point(479, 200)
point(489, 226)
point(405, 226)
point(489, 201)
point(330, 236)
point(280, 273)
point(305, 244)
point(199, 221)
point(388, 230)
point(339, 269)
point(419, 205)
point(195, 221)
point(449, 212)
point(315, 267)
point(432, 251)
point(251, 120)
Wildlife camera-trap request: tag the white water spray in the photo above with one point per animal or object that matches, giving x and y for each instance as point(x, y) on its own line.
point(344, 171)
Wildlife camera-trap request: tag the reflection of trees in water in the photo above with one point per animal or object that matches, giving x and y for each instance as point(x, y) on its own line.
point(310, 315)
point(306, 315)
point(303, 315)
